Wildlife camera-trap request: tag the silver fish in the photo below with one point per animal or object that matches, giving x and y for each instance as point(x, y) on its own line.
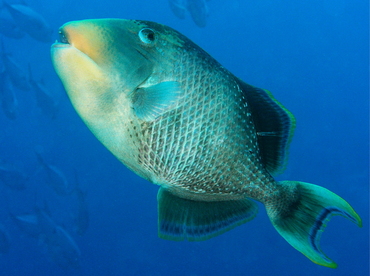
point(45, 100)
point(172, 114)
point(61, 246)
point(31, 22)
point(8, 27)
point(15, 71)
point(56, 179)
point(28, 223)
point(4, 240)
point(8, 98)
point(12, 176)
point(82, 216)
point(63, 249)
point(199, 12)
point(178, 7)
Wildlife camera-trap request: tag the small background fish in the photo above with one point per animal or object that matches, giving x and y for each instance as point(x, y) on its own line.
point(198, 10)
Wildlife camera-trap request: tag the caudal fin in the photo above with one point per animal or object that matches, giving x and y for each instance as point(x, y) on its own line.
point(302, 221)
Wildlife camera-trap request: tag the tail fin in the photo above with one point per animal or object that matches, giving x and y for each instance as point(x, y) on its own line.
point(302, 221)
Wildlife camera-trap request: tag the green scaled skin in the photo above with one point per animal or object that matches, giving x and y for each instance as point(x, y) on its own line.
point(173, 115)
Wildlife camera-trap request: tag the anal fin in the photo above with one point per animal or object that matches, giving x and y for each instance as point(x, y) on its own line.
point(183, 219)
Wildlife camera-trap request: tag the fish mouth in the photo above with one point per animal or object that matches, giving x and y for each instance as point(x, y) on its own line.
point(72, 50)
point(63, 38)
point(80, 37)
point(62, 41)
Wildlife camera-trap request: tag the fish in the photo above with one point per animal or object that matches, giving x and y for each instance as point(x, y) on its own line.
point(60, 244)
point(4, 240)
point(198, 10)
point(12, 176)
point(178, 7)
point(28, 223)
point(176, 117)
point(63, 249)
point(8, 98)
point(82, 216)
point(44, 99)
point(8, 27)
point(56, 178)
point(30, 22)
point(15, 71)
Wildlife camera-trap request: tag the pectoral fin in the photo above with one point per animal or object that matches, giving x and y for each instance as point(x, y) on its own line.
point(151, 102)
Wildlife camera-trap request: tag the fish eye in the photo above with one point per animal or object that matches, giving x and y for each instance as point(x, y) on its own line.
point(147, 35)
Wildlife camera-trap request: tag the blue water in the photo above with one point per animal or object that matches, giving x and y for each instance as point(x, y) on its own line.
point(312, 55)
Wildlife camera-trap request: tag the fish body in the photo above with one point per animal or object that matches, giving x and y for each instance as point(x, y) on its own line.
point(31, 22)
point(64, 250)
point(4, 240)
point(8, 98)
point(17, 75)
point(12, 177)
point(178, 7)
point(61, 246)
point(28, 223)
point(198, 10)
point(176, 117)
point(45, 101)
point(56, 179)
point(81, 216)
point(8, 27)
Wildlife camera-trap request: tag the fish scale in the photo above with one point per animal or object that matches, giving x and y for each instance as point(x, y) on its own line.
point(205, 105)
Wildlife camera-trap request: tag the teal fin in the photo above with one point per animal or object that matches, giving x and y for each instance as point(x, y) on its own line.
point(151, 102)
point(302, 221)
point(182, 219)
point(274, 125)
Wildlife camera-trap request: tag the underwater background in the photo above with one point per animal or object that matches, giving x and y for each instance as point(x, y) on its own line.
point(312, 55)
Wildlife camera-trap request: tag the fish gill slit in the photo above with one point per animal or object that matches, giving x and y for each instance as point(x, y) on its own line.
point(142, 54)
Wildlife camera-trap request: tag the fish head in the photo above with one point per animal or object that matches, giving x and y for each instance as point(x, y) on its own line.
point(107, 67)
point(102, 60)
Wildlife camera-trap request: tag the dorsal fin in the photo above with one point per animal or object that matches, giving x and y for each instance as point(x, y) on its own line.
point(274, 125)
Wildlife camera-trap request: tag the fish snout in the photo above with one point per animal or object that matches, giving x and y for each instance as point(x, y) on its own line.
point(85, 36)
point(63, 37)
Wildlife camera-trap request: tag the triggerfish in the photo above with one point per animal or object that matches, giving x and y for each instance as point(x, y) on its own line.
point(173, 115)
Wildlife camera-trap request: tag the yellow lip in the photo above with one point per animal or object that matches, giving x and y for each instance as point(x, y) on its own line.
point(84, 36)
point(60, 45)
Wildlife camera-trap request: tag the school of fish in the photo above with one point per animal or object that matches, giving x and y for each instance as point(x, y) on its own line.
point(17, 21)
